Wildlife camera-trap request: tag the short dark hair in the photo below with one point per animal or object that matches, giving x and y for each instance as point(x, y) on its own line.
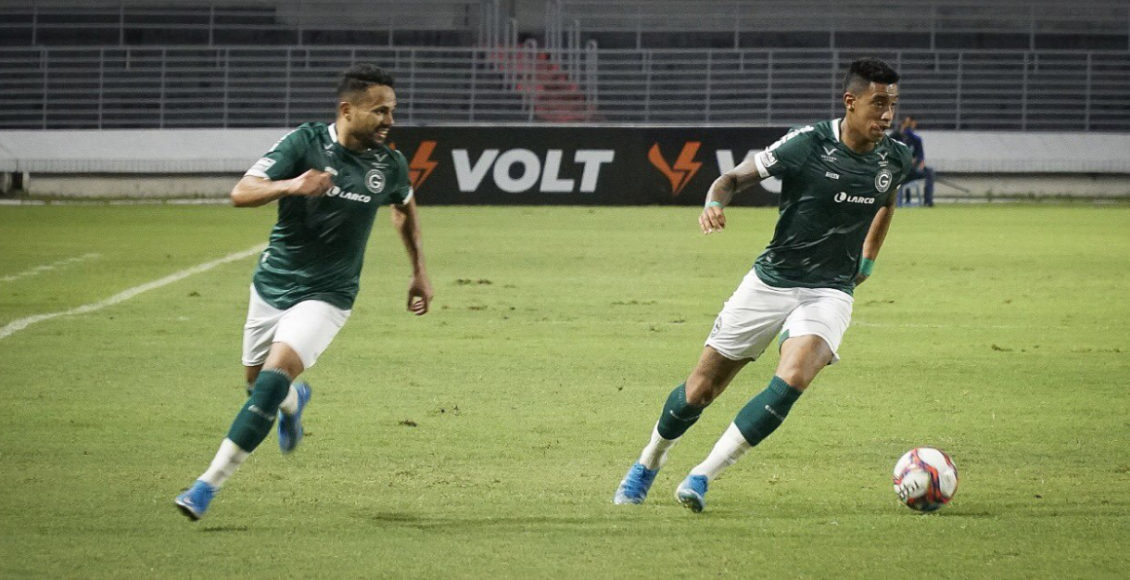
point(359, 77)
point(865, 71)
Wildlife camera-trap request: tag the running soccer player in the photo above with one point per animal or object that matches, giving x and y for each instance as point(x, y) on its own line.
point(329, 181)
point(839, 184)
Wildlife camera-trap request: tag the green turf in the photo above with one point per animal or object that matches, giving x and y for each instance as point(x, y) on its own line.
point(485, 439)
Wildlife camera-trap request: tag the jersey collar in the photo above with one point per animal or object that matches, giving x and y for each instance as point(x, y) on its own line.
point(842, 145)
point(332, 128)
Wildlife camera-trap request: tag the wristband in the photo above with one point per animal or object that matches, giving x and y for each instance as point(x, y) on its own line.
point(713, 203)
point(866, 265)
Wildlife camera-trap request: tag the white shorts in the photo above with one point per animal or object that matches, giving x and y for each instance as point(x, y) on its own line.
point(307, 327)
point(757, 313)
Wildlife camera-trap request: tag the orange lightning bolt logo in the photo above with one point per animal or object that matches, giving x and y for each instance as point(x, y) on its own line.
point(684, 169)
point(422, 165)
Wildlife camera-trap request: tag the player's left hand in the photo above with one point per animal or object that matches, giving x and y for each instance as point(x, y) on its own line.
point(712, 219)
point(861, 278)
point(419, 294)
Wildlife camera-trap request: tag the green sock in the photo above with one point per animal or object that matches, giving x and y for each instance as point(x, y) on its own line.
point(678, 415)
point(765, 412)
point(254, 421)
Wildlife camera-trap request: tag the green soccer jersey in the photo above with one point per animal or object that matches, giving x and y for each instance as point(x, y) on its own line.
point(829, 197)
point(318, 245)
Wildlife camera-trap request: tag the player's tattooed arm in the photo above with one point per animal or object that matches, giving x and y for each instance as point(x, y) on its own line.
point(877, 233)
point(406, 220)
point(733, 181)
point(722, 192)
point(252, 191)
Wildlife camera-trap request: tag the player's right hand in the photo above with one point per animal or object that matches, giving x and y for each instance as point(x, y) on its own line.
point(312, 183)
point(712, 220)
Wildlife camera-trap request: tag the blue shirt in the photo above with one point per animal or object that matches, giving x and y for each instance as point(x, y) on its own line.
point(915, 142)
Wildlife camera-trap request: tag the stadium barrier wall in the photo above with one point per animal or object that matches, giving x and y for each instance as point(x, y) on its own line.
point(574, 165)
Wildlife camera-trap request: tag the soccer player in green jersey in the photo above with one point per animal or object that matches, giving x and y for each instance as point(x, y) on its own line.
point(329, 181)
point(839, 186)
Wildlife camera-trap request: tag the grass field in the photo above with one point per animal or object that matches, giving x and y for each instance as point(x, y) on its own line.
point(486, 439)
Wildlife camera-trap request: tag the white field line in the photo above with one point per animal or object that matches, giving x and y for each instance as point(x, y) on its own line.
point(48, 267)
point(18, 325)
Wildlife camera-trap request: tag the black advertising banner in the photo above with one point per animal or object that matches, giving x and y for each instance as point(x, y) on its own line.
point(579, 165)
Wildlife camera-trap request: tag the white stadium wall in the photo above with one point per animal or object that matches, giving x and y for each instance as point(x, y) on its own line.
point(186, 163)
point(1038, 164)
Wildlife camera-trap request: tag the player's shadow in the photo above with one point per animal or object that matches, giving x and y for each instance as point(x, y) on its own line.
point(408, 520)
point(944, 513)
point(667, 516)
point(617, 517)
point(222, 529)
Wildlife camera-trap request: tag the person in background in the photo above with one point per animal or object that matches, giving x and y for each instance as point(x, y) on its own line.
point(908, 134)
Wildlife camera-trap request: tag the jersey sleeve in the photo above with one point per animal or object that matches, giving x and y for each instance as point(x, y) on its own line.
point(401, 192)
point(787, 155)
point(284, 160)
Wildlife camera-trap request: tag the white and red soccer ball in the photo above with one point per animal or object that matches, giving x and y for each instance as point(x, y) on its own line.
point(925, 479)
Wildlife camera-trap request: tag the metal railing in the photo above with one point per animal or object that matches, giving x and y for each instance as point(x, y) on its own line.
point(468, 22)
point(245, 87)
point(211, 22)
point(836, 19)
point(163, 87)
point(1009, 90)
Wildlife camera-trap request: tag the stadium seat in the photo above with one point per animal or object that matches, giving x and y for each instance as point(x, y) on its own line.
point(910, 193)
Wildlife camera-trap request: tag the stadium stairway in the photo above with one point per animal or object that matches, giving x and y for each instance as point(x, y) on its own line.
point(555, 97)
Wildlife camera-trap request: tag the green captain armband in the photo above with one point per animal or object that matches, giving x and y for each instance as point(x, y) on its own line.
point(713, 203)
point(866, 265)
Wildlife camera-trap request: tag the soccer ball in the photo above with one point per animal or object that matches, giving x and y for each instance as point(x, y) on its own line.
point(925, 479)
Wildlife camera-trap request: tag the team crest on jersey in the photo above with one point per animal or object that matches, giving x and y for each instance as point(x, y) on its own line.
point(375, 181)
point(883, 180)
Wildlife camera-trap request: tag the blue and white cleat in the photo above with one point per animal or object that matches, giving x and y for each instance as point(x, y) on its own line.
point(194, 502)
point(692, 493)
point(633, 488)
point(290, 426)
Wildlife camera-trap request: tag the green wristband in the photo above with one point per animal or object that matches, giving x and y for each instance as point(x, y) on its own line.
point(713, 203)
point(866, 265)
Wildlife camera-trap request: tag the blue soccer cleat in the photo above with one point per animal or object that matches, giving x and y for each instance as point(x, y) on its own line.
point(692, 493)
point(194, 502)
point(633, 488)
point(290, 426)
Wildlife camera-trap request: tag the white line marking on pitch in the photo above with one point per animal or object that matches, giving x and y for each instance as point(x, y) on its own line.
point(48, 267)
point(18, 325)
